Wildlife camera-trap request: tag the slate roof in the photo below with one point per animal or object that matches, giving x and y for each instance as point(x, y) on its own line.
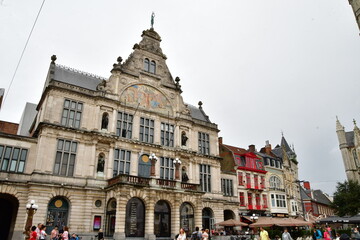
point(304, 196)
point(277, 151)
point(76, 77)
point(235, 149)
point(350, 138)
point(320, 197)
point(198, 113)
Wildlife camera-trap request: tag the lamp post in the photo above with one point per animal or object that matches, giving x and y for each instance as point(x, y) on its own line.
point(153, 160)
point(31, 209)
point(254, 217)
point(301, 199)
point(177, 163)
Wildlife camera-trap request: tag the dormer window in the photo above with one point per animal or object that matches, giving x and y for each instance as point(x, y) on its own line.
point(149, 66)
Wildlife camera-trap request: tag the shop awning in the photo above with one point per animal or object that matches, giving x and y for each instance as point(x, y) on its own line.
point(231, 223)
point(283, 222)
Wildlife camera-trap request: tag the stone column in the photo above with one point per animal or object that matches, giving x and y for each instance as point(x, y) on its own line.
point(120, 215)
point(149, 216)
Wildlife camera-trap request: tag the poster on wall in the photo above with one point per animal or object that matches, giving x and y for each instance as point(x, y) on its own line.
point(97, 222)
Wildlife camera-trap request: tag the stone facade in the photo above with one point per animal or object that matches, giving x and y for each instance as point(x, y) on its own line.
point(125, 154)
point(349, 144)
point(355, 4)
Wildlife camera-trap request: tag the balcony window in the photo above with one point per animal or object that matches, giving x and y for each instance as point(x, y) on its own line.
point(240, 179)
point(121, 162)
point(242, 199)
point(205, 178)
point(167, 168)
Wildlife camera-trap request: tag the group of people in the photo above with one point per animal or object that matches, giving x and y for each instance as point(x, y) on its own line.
point(39, 233)
point(196, 235)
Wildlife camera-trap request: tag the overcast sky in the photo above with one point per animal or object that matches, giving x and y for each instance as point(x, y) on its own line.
point(260, 67)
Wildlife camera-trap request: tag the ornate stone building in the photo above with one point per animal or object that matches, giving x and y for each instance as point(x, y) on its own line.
point(125, 154)
point(349, 144)
point(355, 4)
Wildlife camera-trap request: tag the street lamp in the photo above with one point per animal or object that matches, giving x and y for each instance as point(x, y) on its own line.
point(153, 158)
point(254, 217)
point(31, 209)
point(177, 163)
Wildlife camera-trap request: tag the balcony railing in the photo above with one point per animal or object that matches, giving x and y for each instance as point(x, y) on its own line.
point(258, 207)
point(135, 180)
point(166, 183)
point(148, 182)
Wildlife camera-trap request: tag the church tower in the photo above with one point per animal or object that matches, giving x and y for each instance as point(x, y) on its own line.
point(355, 4)
point(349, 146)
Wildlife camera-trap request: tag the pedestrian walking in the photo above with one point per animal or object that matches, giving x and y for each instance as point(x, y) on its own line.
point(33, 234)
point(42, 232)
point(100, 235)
point(264, 235)
point(65, 235)
point(286, 235)
point(205, 235)
point(54, 235)
point(182, 235)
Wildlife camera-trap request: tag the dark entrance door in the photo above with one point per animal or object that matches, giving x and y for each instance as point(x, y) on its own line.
point(187, 217)
point(207, 218)
point(110, 218)
point(162, 224)
point(135, 218)
point(8, 208)
point(144, 166)
point(57, 215)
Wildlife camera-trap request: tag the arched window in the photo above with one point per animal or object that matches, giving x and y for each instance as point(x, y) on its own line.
point(57, 215)
point(207, 218)
point(187, 217)
point(275, 182)
point(152, 67)
point(110, 217)
point(146, 64)
point(135, 218)
point(356, 159)
point(162, 220)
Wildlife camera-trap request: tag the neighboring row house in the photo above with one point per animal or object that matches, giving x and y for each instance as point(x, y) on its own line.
point(125, 154)
point(316, 203)
point(265, 186)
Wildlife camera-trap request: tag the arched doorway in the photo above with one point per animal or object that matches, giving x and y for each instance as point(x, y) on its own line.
point(187, 217)
point(135, 218)
point(207, 218)
point(57, 215)
point(228, 214)
point(162, 223)
point(110, 217)
point(9, 206)
point(144, 166)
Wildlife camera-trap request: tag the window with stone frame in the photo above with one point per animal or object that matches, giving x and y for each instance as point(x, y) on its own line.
point(71, 115)
point(167, 168)
point(204, 143)
point(242, 199)
point(65, 157)
point(278, 200)
point(227, 187)
point(167, 134)
point(121, 162)
point(205, 177)
point(124, 125)
point(149, 66)
point(12, 159)
point(275, 182)
point(146, 133)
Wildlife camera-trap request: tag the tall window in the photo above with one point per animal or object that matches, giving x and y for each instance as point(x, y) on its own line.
point(65, 158)
point(204, 144)
point(275, 182)
point(262, 183)
point(121, 162)
point(250, 201)
point(294, 207)
point(278, 200)
point(265, 204)
point(240, 179)
point(146, 64)
point(124, 125)
point(205, 178)
point(12, 159)
point(152, 67)
point(227, 187)
point(167, 168)
point(242, 199)
point(167, 134)
point(256, 181)
point(248, 180)
point(146, 130)
point(257, 200)
point(71, 115)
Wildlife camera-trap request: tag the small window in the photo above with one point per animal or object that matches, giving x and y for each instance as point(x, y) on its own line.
point(146, 64)
point(71, 115)
point(152, 67)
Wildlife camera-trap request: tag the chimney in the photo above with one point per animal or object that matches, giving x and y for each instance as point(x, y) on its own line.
point(267, 147)
point(251, 148)
point(220, 140)
point(307, 185)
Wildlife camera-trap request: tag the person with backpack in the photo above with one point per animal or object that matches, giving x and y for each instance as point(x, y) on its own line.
point(317, 234)
point(197, 235)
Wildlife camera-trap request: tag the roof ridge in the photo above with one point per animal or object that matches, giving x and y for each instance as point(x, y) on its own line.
point(80, 72)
